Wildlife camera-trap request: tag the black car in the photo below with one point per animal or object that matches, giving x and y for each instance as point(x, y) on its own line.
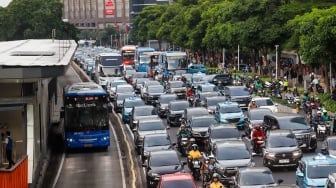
point(221, 132)
point(253, 117)
point(155, 142)
point(256, 177)
point(329, 146)
point(200, 98)
point(175, 112)
point(230, 156)
point(211, 103)
point(304, 134)
point(146, 127)
point(222, 80)
point(239, 94)
point(118, 103)
point(160, 163)
point(162, 103)
point(177, 87)
point(153, 93)
point(199, 126)
point(281, 149)
point(142, 112)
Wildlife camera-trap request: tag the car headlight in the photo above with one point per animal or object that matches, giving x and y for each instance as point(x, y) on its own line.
point(272, 155)
point(297, 153)
point(162, 108)
point(135, 122)
point(70, 140)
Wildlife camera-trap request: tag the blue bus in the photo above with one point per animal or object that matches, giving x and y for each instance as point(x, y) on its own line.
point(173, 62)
point(86, 116)
point(142, 58)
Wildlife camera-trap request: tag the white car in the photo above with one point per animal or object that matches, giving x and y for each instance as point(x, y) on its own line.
point(266, 102)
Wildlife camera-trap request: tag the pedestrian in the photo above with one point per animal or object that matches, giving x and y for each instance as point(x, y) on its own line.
point(9, 150)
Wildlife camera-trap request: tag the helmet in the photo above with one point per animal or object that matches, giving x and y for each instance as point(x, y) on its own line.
point(257, 127)
point(305, 93)
point(318, 112)
point(194, 145)
point(253, 100)
point(182, 126)
point(324, 111)
point(192, 140)
point(215, 175)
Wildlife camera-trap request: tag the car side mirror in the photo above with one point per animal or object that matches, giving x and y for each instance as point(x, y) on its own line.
point(168, 127)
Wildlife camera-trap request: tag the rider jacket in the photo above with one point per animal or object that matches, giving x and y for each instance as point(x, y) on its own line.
point(257, 133)
point(216, 184)
point(183, 133)
point(318, 119)
point(194, 154)
point(190, 92)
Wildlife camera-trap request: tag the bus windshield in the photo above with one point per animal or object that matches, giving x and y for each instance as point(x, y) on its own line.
point(144, 59)
point(88, 117)
point(110, 60)
point(177, 62)
point(129, 55)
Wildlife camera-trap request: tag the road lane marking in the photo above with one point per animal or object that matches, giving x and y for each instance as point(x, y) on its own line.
point(120, 157)
point(58, 171)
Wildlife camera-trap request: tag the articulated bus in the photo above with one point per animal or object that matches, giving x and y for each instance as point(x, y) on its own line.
point(172, 62)
point(142, 58)
point(128, 54)
point(86, 116)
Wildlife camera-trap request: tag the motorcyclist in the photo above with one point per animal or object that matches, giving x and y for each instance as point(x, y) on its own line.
point(182, 132)
point(305, 97)
point(317, 119)
point(258, 85)
point(289, 96)
point(190, 92)
point(325, 116)
point(191, 142)
point(253, 104)
point(318, 103)
point(215, 181)
point(256, 132)
point(194, 153)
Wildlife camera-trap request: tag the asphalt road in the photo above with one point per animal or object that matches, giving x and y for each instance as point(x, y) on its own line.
point(90, 167)
point(286, 174)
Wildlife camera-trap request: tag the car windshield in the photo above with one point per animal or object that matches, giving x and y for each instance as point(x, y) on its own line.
point(145, 111)
point(332, 144)
point(115, 84)
point(230, 109)
point(176, 84)
point(282, 141)
point(296, 123)
point(155, 89)
point(258, 114)
point(179, 106)
point(122, 89)
point(151, 126)
point(131, 103)
point(265, 102)
point(202, 122)
point(224, 133)
point(214, 101)
point(156, 141)
point(256, 178)
point(159, 160)
point(320, 171)
point(232, 153)
point(208, 88)
point(239, 92)
point(197, 78)
point(121, 97)
point(208, 94)
point(178, 183)
point(166, 99)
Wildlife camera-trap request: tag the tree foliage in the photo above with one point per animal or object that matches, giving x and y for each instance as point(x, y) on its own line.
point(35, 19)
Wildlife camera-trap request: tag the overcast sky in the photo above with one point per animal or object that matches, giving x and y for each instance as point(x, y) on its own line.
point(4, 3)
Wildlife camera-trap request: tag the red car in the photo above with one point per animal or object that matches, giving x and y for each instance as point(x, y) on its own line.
point(184, 180)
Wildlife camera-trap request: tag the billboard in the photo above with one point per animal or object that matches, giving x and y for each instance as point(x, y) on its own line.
point(109, 8)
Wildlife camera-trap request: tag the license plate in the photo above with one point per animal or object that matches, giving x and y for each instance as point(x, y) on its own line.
point(179, 94)
point(242, 105)
point(87, 145)
point(284, 161)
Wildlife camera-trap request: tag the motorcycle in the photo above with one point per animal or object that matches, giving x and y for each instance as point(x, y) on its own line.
point(258, 144)
point(196, 168)
point(207, 175)
point(184, 142)
point(276, 93)
point(191, 100)
point(322, 130)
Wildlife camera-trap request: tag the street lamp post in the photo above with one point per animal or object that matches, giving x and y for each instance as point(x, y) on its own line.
point(276, 61)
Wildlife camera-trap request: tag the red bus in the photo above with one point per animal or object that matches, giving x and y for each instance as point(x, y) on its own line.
point(128, 54)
